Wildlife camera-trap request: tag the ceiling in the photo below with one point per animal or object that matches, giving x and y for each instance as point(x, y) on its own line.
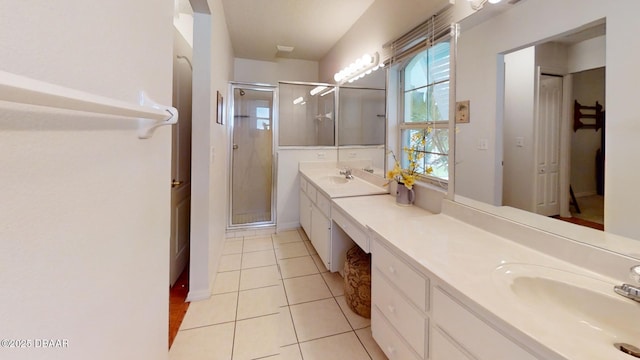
point(312, 27)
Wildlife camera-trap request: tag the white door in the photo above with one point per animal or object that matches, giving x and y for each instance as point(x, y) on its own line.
point(548, 145)
point(181, 159)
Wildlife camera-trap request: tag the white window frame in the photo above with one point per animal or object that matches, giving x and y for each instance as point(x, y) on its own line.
point(402, 125)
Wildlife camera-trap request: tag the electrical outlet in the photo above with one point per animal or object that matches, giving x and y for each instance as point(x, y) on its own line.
point(519, 141)
point(352, 155)
point(321, 155)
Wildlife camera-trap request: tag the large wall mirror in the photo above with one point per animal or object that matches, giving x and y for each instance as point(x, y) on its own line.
point(538, 141)
point(553, 127)
point(362, 123)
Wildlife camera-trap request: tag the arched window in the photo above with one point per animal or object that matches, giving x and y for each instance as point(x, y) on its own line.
point(424, 115)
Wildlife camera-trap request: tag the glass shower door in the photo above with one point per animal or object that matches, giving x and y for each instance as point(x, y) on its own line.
point(252, 157)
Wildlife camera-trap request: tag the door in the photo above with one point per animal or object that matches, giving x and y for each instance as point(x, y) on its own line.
point(548, 145)
point(252, 157)
point(321, 235)
point(305, 213)
point(181, 159)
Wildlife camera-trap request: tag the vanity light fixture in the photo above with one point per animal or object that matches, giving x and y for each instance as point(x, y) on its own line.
point(317, 89)
point(478, 4)
point(358, 69)
point(328, 91)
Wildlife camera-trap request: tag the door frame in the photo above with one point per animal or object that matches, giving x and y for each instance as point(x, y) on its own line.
point(230, 109)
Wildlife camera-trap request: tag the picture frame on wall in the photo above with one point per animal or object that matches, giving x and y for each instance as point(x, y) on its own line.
point(219, 109)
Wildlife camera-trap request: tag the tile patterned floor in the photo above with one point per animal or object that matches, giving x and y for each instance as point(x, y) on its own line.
point(274, 299)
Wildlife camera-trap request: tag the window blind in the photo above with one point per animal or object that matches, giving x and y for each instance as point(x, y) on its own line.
point(423, 36)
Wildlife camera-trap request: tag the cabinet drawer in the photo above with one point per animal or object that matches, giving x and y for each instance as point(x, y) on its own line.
point(357, 233)
point(324, 204)
point(392, 345)
point(311, 192)
point(410, 282)
point(408, 321)
point(443, 349)
point(303, 184)
point(472, 333)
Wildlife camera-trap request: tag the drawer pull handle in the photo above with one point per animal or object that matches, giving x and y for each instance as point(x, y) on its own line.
point(392, 309)
point(391, 350)
point(392, 269)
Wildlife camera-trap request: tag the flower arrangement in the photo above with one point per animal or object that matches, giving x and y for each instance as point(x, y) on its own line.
point(415, 155)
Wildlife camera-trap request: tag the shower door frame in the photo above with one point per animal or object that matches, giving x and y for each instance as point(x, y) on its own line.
point(231, 121)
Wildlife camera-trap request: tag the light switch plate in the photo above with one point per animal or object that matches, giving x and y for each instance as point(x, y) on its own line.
point(483, 144)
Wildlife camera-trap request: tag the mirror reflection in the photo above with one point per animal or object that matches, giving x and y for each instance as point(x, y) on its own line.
point(361, 128)
point(362, 123)
point(306, 114)
point(549, 129)
point(553, 137)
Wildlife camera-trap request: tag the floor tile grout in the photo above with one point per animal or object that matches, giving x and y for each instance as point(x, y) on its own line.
point(281, 282)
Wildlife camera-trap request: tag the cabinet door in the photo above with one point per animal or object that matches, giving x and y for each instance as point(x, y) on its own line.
point(305, 213)
point(321, 235)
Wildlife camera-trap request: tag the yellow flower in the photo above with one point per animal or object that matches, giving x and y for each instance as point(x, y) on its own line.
point(415, 155)
point(409, 180)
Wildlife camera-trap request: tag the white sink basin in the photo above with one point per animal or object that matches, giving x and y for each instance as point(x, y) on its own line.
point(585, 303)
point(334, 179)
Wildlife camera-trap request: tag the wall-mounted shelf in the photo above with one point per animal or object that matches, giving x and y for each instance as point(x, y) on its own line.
point(593, 112)
point(24, 90)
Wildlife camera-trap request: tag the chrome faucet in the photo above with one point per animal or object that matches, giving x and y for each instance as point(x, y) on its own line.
point(347, 173)
point(630, 291)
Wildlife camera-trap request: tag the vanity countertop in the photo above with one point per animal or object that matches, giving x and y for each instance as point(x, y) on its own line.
point(334, 185)
point(467, 258)
point(368, 210)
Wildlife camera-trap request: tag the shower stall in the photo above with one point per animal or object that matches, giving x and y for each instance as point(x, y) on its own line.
point(252, 198)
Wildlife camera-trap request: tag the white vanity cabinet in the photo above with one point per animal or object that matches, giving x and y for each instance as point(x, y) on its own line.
point(315, 219)
point(305, 207)
point(414, 316)
point(468, 333)
point(321, 235)
point(399, 300)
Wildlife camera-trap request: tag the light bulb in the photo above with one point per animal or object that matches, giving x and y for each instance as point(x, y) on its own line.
point(494, 1)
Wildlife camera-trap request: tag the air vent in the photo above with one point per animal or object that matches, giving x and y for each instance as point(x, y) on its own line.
point(284, 51)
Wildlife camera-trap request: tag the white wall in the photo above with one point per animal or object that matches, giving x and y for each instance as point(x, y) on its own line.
point(84, 229)
point(588, 54)
point(382, 22)
point(519, 27)
point(588, 87)
point(288, 181)
point(519, 95)
point(213, 69)
point(270, 72)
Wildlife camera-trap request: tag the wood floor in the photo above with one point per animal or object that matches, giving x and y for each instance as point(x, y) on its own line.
point(177, 304)
point(582, 222)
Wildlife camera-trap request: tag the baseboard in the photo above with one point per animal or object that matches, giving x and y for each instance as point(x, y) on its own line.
point(287, 226)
